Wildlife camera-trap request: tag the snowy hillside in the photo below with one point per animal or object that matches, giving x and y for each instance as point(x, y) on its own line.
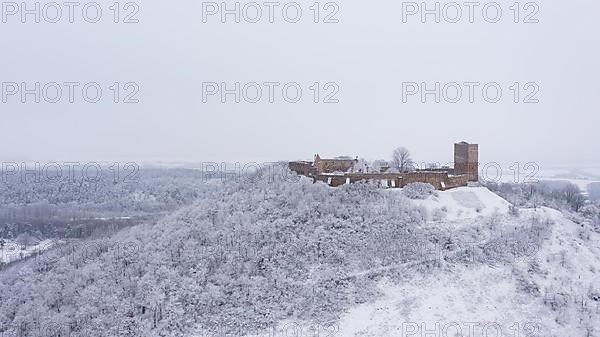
point(552, 291)
point(267, 257)
point(463, 203)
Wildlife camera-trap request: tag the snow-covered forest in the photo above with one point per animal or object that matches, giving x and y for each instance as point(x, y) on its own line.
point(565, 197)
point(151, 190)
point(77, 206)
point(256, 252)
point(299, 168)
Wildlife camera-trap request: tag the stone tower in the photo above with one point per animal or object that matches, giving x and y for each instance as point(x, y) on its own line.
point(466, 160)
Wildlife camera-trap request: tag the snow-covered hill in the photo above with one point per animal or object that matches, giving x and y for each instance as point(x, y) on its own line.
point(554, 291)
point(463, 203)
point(258, 255)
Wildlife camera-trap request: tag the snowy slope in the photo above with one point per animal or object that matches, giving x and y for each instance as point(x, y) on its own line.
point(553, 292)
point(490, 300)
point(464, 202)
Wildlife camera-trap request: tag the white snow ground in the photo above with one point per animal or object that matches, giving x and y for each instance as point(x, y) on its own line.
point(463, 203)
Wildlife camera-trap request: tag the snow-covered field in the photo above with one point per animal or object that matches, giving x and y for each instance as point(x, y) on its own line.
point(13, 251)
point(582, 177)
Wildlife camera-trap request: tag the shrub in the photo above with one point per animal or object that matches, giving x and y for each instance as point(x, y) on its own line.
point(590, 211)
point(513, 210)
point(439, 214)
point(419, 190)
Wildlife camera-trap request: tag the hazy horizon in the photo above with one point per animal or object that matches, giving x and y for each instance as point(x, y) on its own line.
point(368, 55)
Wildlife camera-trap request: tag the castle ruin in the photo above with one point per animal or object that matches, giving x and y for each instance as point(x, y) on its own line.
point(466, 160)
point(340, 171)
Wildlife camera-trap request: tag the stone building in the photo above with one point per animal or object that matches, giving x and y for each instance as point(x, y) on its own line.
point(340, 164)
point(340, 171)
point(466, 160)
point(304, 168)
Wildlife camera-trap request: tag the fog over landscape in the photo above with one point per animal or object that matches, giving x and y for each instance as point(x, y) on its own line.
point(299, 168)
point(369, 53)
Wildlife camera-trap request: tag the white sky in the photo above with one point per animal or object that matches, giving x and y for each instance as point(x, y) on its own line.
point(369, 54)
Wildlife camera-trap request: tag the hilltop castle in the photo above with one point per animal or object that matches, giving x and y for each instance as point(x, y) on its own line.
point(340, 171)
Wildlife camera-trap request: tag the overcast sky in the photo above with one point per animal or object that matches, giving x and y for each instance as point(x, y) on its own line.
point(368, 54)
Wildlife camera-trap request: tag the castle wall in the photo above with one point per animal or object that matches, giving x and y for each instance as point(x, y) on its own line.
point(332, 171)
point(439, 180)
point(433, 178)
point(333, 165)
point(457, 181)
point(301, 167)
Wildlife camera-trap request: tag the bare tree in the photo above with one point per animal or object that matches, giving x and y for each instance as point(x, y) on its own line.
point(380, 165)
point(573, 196)
point(401, 160)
